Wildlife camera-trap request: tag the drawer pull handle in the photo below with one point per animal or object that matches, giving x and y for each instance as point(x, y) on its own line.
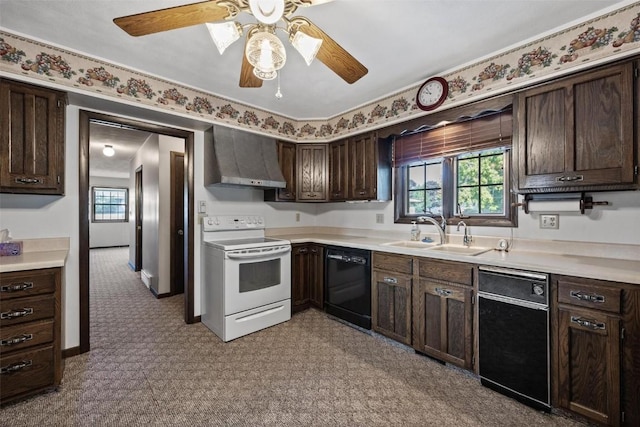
point(28, 181)
point(569, 178)
point(390, 280)
point(16, 340)
point(443, 292)
point(362, 193)
point(16, 313)
point(587, 297)
point(15, 367)
point(586, 323)
point(17, 287)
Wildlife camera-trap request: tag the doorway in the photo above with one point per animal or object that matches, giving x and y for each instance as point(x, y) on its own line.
point(85, 119)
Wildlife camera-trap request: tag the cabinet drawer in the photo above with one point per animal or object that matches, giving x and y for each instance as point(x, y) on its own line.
point(456, 272)
point(20, 284)
point(26, 371)
point(592, 296)
point(390, 262)
point(25, 335)
point(22, 310)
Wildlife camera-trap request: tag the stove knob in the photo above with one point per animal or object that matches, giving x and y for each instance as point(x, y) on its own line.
point(216, 221)
point(259, 220)
point(538, 289)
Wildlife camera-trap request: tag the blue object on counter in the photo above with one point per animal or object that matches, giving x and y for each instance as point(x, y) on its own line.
point(427, 240)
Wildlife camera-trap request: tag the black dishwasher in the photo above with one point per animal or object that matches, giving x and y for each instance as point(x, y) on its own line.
point(513, 334)
point(347, 286)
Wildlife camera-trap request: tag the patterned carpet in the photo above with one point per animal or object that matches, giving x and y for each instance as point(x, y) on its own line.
point(147, 367)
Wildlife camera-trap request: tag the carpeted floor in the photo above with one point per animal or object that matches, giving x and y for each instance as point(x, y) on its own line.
point(147, 367)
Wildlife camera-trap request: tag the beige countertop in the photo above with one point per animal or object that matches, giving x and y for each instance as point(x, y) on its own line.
point(37, 254)
point(595, 267)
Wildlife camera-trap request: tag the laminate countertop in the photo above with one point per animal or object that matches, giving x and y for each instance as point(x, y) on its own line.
point(544, 261)
point(37, 254)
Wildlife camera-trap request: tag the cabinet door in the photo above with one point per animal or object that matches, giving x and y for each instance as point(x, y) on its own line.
point(312, 172)
point(363, 166)
point(589, 364)
point(442, 321)
point(391, 305)
point(316, 276)
point(299, 277)
point(287, 160)
point(31, 139)
point(338, 170)
point(577, 132)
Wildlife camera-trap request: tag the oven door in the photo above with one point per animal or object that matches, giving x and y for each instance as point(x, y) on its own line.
point(256, 277)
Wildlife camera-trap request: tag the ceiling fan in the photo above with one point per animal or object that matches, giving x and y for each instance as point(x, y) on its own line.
point(264, 53)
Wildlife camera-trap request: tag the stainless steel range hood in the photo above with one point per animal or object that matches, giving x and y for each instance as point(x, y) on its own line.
point(242, 159)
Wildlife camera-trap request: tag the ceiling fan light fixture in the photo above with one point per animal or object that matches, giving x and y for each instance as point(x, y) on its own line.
point(108, 151)
point(306, 45)
point(267, 11)
point(224, 34)
point(266, 53)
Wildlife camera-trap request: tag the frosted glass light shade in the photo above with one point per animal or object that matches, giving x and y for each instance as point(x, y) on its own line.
point(108, 151)
point(267, 11)
point(306, 45)
point(224, 34)
point(266, 53)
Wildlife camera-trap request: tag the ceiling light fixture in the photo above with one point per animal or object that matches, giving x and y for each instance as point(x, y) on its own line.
point(306, 45)
point(224, 34)
point(265, 52)
point(267, 11)
point(108, 151)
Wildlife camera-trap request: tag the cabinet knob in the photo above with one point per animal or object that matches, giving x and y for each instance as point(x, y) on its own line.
point(311, 195)
point(570, 178)
point(362, 193)
point(443, 292)
point(28, 181)
point(390, 280)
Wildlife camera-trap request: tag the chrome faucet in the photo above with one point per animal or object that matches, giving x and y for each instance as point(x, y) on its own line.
point(441, 227)
point(467, 239)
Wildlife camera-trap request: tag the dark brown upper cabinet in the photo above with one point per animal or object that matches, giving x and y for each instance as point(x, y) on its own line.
point(338, 170)
point(32, 121)
point(287, 161)
point(312, 183)
point(577, 134)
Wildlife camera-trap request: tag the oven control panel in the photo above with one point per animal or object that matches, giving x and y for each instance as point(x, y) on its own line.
point(232, 222)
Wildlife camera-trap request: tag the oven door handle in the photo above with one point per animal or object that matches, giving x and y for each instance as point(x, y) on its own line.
point(259, 255)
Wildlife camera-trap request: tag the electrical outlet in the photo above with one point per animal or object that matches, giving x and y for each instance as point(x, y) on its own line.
point(549, 221)
point(297, 216)
point(379, 218)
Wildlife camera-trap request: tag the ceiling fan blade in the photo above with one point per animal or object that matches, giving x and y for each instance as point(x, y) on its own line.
point(175, 17)
point(308, 3)
point(332, 54)
point(247, 78)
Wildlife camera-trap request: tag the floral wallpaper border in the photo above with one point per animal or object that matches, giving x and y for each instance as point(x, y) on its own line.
point(607, 37)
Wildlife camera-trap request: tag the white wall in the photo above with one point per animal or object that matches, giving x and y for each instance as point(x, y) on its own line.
point(107, 234)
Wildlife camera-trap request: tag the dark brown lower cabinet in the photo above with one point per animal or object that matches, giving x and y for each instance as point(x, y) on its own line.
point(443, 321)
point(391, 305)
point(307, 276)
point(589, 356)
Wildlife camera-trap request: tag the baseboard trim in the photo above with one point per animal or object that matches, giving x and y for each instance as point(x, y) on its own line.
point(70, 352)
point(131, 266)
point(159, 296)
point(197, 319)
point(108, 247)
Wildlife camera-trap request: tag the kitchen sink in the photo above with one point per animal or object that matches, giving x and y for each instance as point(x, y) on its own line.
point(412, 244)
point(460, 250)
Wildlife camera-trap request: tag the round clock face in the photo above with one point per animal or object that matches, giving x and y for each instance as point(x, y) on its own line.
point(432, 93)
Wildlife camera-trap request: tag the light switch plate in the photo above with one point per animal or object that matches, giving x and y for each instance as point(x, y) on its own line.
point(549, 221)
point(202, 206)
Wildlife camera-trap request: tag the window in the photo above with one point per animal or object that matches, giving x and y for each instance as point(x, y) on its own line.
point(110, 204)
point(459, 171)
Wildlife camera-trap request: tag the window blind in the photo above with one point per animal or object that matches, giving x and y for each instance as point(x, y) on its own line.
point(487, 131)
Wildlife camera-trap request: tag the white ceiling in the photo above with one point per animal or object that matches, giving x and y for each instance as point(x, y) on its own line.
point(125, 142)
point(401, 42)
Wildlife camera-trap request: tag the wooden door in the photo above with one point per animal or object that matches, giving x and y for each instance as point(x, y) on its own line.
point(442, 321)
point(391, 305)
point(138, 224)
point(299, 277)
point(338, 170)
point(363, 166)
point(31, 139)
point(312, 172)
point(589, 364)
point(316, 276)
point(177, 251)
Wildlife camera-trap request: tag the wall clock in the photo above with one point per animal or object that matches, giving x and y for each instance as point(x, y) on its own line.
point(432, 93)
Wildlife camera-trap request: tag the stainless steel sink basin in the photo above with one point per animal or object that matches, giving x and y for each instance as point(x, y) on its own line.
point(460, 250)
point(412, 244)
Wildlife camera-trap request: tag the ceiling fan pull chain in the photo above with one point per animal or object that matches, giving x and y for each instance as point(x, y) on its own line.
point(278, 93)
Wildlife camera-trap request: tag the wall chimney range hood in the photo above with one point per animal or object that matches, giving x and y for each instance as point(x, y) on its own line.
point(237, 158)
